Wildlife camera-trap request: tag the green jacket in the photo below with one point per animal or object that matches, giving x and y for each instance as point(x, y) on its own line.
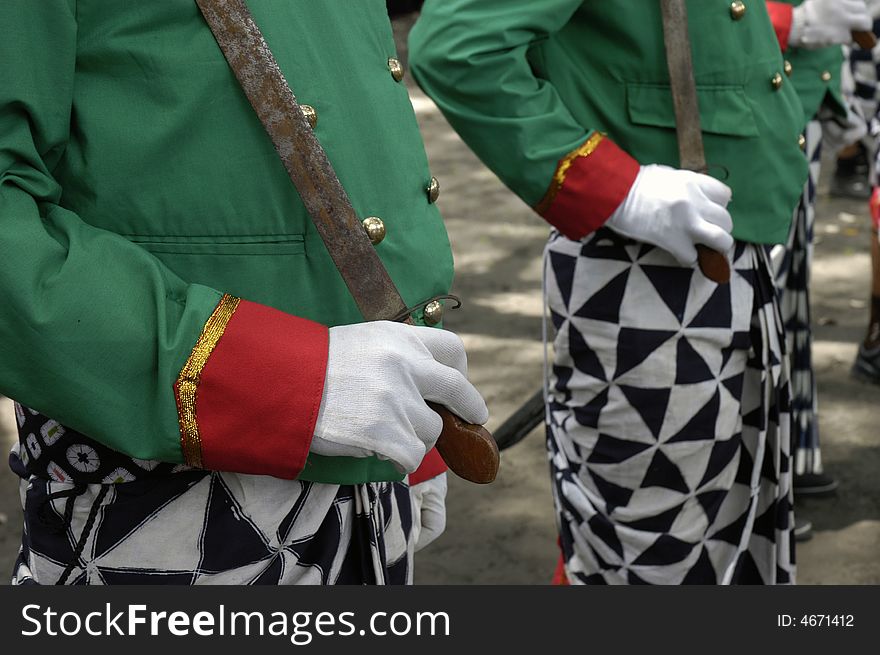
point(137, 187)
point(814, 73)
point(526, 83)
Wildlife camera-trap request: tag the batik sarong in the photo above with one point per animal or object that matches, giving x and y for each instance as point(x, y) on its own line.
point(94, 516)
point(792, 264)
point(668, 433)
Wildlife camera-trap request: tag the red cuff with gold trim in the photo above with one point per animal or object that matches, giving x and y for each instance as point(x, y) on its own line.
point(781, 16)
point(249, 395)
point(432, 466)
point(590, 183)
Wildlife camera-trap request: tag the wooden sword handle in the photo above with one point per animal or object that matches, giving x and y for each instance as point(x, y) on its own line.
point(713, 264)
point(866, 40)
point(469, 450)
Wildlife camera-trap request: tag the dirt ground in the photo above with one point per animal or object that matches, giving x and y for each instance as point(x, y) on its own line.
point(504, 533)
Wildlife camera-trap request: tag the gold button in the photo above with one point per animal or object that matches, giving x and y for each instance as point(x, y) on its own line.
point(776, 82)
point(433, 190)
point(433, 312)
point(802, 142)
point(787, 67)
point(396, 69)
point(826, 76)
point(737, 10)
point(375, 229)
point(311, 115)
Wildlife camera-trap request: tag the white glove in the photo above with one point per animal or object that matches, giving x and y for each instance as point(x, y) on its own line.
point(821, 23)
point(675, 210)
point(837, 132)
point(379, 376)
point(429, 510)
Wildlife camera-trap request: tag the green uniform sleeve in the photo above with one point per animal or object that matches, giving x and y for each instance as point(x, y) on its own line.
point(472, 58)
point(93, 329)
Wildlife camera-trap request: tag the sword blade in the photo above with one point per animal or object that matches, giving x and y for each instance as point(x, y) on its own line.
point(691, 153)
point(681, 77)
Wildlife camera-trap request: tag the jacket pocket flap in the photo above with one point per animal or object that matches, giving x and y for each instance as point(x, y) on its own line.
point(723, 109)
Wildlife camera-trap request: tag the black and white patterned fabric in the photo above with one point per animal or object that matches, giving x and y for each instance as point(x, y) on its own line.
point(668, 431)
point(865, 68)
point(792, 264)
point(198, 527)
point(55, 452)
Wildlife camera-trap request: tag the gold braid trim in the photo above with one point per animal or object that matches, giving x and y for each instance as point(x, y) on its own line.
point(190, 376)
point(584, 150)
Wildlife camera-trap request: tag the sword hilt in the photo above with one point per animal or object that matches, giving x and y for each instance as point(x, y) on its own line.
point(865, 39)
point(469, 450)
point(713, 264)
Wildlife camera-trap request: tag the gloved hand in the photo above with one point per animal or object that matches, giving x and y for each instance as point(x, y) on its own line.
point(675, 210)
point(837, 132)
point(429, 510)
point(379, 376)
point(821, 23)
